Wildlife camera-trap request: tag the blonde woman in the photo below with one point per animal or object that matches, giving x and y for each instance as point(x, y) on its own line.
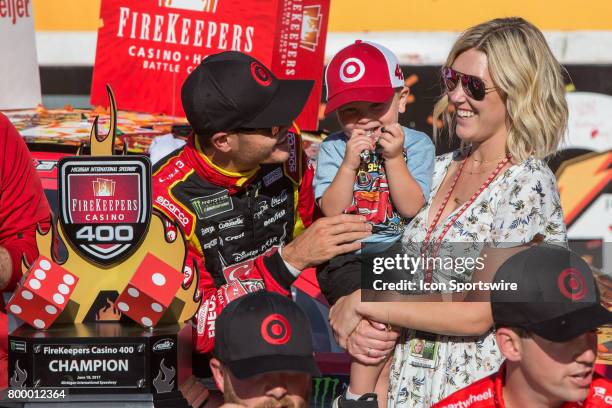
point(504, 99)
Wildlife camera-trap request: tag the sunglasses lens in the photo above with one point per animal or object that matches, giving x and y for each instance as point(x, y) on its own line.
point(473, 86)
point(476, 88)
point(450, 78)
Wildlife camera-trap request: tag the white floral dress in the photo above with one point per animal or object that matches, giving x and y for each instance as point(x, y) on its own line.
point(521, 202)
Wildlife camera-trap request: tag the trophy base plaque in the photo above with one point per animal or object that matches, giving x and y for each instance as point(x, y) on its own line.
point(102, 364)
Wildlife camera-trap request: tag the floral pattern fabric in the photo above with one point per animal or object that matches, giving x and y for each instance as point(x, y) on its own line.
point(521, 202)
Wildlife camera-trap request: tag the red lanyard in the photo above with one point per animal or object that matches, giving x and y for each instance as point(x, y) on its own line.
point(448, 225)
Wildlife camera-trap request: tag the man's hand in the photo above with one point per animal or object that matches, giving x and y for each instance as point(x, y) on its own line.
point(359, 141)
point(325, 239)
point(392, 141)
point(604, 283)
point(371, 342)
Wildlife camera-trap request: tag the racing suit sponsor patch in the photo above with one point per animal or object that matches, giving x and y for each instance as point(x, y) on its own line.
point(273, 176)
point(211, 205)
point(234, 222)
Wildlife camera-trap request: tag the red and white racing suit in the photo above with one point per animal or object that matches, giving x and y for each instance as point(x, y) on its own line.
point(23, 206)
point(488, 393)
point(234, 223)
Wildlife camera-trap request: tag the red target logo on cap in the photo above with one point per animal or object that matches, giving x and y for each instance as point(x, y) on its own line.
point(352, 70)
point(571, 284)
point(260, 74)
point(275, 329)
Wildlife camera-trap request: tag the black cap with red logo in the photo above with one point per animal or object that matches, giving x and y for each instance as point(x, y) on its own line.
point(232, 90)
point(556, 296)
point(264, 332)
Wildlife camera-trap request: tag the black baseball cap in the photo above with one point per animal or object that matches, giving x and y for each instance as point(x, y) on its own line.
point(264, 332)
point(232, 90)
point(556, 296)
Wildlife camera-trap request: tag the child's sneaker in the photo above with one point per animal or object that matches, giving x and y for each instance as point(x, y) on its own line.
point(365, 401)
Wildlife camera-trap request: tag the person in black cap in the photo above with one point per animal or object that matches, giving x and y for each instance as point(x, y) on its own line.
point(546, 330)
point(264, 355)
point(241, 188)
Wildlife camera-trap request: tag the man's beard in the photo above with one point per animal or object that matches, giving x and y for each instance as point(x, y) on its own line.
point(277, 156)
point(284, 402)
point(229, 395)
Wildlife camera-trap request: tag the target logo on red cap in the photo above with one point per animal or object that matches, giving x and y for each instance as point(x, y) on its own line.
point(363, 71)
point(275, 329)
point(571, 284)
point(352, 70)
point(260, 74)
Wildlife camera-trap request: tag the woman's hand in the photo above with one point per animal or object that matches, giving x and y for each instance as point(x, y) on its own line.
point(343, 317)
point(371, 342)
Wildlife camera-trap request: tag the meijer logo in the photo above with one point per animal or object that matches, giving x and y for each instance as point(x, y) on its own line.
point(14, 9)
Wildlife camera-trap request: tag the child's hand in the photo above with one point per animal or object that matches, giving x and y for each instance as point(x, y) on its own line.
point(392, 141)
point(357, 143)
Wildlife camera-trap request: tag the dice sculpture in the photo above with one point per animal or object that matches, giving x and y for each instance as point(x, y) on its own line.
point(150, 291)
point(44, 294)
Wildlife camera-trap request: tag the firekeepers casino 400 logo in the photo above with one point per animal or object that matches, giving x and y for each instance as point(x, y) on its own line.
point(105, 205)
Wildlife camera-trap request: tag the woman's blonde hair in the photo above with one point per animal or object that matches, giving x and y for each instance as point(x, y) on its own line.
point(529, 79)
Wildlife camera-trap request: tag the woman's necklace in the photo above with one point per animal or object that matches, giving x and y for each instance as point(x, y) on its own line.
point(488, 161)
point(483, 165)
point(438, 242)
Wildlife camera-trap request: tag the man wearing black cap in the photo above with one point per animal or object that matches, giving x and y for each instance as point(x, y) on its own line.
point(264, 354)
point(546, 330)
point(241, 187)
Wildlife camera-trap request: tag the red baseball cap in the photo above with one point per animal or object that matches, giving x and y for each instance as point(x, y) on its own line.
point(363, 71)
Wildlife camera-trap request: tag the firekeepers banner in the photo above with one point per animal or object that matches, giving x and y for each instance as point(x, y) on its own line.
point(147, 48)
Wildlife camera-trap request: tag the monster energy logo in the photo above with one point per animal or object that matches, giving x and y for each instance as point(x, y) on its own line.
point(325, 391)
point(18, 346)
point(213, 204)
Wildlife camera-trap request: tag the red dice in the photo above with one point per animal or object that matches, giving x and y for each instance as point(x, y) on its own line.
point(150, 291)
point(44, 294)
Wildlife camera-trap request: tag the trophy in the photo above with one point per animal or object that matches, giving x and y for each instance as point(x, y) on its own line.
point(106, 322)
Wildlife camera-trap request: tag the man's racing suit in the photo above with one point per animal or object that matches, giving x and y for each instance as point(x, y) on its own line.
point(23, 206)
point(487, 393)
point(234, 223)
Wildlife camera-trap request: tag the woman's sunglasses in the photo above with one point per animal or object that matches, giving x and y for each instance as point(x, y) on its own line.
point(473, 86)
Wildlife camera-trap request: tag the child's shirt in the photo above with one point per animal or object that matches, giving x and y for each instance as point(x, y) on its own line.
point(371, 195)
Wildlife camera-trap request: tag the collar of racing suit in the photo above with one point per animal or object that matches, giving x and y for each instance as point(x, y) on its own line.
point(500, 379)
point(498, 387)
point(233, 181)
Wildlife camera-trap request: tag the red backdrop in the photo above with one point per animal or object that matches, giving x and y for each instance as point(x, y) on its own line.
point(146, 48)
